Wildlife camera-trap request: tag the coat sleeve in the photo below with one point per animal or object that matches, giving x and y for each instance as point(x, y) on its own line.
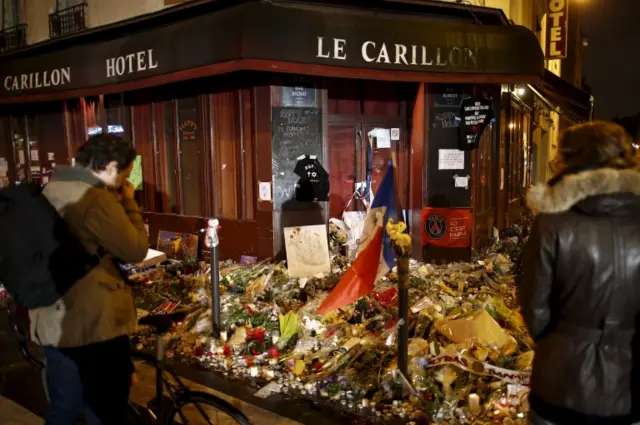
point(118, 228)
point(538, 273)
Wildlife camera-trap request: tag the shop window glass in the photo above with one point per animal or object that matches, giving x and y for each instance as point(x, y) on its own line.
point(33, 148)
point(170, 203)
point(19, 137)
point(118, 116)
point(92, 116)
point(50, 135)
point(190, 135)
point(227, 142)
point(485, 168)
point(516, 164)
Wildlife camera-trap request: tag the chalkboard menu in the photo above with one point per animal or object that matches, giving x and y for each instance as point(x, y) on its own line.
point(449, 169)
point(295, 131)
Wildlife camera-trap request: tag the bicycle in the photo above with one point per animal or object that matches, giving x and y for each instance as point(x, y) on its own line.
point(163, 409)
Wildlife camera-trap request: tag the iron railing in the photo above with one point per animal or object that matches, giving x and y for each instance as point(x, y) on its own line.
point(67, 21)
point(13, 38)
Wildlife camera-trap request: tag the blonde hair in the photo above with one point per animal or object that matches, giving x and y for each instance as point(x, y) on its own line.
point(598, 144)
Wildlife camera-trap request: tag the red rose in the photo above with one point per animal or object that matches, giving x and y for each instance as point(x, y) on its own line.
point(273, 352)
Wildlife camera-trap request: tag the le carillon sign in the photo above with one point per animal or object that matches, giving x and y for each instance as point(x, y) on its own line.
point(267, 32)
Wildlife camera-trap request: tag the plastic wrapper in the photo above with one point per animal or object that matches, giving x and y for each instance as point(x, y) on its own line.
point(479, 328)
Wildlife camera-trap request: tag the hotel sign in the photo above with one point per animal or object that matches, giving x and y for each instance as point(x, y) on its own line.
point(557, 29)
point(260, 33)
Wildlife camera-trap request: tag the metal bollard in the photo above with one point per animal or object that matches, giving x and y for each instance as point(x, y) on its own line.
point(212, 242)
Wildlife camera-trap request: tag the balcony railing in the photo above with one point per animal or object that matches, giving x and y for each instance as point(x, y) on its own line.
point(13, 38)
point(68, 20)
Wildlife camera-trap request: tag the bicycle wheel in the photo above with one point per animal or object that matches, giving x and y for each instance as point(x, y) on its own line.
point(197, 408)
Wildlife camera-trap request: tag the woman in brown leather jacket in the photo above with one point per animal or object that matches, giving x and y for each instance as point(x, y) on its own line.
point(580, 289)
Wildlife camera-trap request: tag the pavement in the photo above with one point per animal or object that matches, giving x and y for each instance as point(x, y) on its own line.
point(23, 401)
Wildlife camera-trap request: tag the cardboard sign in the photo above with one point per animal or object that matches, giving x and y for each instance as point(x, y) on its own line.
point(445, 227)
point(307, 249)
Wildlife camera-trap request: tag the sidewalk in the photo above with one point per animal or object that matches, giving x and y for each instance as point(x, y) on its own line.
point(22, 399)
point(14, 414)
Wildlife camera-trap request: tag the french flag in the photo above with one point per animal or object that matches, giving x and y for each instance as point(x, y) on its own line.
point(374, 250)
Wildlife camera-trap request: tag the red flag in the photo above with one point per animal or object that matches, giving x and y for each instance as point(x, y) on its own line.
point(358, 281)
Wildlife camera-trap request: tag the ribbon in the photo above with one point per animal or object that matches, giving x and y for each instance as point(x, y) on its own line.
point(479, 368)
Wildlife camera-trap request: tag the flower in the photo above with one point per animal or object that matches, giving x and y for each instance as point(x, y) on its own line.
point(400, 239)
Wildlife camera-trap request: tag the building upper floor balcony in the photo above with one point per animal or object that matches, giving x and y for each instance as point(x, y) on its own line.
point(13, 37)
point(67, 21)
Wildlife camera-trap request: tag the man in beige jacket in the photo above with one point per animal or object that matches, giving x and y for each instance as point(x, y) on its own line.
point(85, 334)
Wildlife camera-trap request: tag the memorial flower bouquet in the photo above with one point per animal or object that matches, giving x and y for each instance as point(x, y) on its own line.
point(400, 238)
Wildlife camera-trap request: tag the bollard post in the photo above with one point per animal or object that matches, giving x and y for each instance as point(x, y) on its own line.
point(212, 242)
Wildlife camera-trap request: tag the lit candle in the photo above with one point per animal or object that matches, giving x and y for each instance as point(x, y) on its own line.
point(474, 404)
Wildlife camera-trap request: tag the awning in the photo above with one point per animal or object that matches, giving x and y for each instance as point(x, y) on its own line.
point(250, 35)
point(562, 96)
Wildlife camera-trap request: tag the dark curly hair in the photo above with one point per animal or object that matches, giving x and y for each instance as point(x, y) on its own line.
point(597, 144)
point(102, 149)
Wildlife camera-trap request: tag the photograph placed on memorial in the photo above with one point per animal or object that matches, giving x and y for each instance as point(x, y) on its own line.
point(179, 246)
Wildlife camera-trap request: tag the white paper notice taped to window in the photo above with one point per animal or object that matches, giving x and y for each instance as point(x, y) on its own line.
point(462, 181)
point(265, 191)
point(383, 138)
point(450, 159)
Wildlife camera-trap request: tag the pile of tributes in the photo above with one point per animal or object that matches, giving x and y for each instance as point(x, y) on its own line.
point(469, 352)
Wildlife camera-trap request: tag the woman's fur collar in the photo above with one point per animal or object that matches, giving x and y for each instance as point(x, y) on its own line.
point(574, 188)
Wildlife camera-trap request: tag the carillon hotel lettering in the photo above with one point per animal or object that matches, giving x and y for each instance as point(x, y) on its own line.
point(400, 54)
point(131, 63)
point(37, 80)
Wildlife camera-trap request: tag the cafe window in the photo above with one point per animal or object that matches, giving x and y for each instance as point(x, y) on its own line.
point(190, 137)
point(486, 170)
point(167, 157)
point(517, 148)
point(227, 140)
point(20, 152)
point(93, 116)
point(117, 116)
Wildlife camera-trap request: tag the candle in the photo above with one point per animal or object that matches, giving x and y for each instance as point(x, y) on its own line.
point(474, 404)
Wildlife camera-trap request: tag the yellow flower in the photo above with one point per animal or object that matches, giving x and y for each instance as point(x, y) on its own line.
point(404, 240)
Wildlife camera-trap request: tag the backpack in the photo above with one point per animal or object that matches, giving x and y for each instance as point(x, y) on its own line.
point(40, 257)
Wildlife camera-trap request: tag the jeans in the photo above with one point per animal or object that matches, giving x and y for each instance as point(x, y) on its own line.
point(65, 390)
point(93, 379)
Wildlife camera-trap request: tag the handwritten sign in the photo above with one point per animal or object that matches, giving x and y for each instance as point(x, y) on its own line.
point(450, 159)
point(295, 132)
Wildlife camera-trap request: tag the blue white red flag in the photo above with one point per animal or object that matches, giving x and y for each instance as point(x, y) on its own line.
point(375, 256)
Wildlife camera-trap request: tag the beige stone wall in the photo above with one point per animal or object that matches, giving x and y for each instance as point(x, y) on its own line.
point(99, 12)
point(104, 12)
point(36, 16)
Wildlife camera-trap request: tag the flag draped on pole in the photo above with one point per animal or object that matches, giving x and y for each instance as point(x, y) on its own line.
point(375, 256)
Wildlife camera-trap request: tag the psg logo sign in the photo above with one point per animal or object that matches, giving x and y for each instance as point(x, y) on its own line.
point(435, 226)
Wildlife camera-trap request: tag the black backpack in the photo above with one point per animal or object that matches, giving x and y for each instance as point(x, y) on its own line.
point(40, 257)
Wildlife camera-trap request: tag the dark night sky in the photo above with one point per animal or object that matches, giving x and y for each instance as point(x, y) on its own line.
point(612, 64)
